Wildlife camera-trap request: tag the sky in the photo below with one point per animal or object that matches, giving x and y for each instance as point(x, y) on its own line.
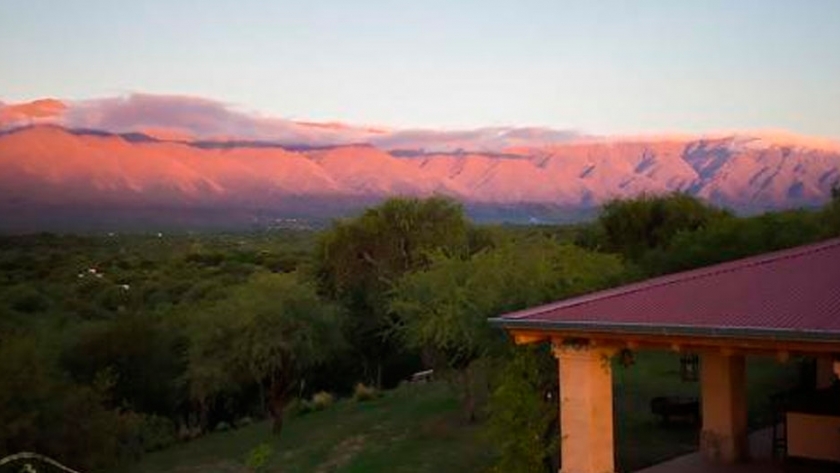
point(607, 66)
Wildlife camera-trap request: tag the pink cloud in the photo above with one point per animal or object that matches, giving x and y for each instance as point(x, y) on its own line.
point(201, 118)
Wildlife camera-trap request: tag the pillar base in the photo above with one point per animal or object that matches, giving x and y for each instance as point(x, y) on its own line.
point(724, 437)
point(724, 448)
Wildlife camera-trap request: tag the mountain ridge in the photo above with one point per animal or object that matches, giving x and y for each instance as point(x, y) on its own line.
point(47, 167)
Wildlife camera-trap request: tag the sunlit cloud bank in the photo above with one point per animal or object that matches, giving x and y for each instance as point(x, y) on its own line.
point(196, 118)
point(200, 118)
point(188, 118)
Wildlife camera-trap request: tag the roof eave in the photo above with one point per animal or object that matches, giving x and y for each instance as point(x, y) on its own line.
point(753, 333)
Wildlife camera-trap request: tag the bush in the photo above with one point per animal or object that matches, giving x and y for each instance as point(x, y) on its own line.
point(157, 432)
point(138, 433)
point(258, 457)
point(522, 422)
point(322, 400)
point(299, 407)
point(363, 393)
point(319, 402)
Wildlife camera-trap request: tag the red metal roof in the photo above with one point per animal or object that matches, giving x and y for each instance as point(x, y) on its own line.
point(793, 293)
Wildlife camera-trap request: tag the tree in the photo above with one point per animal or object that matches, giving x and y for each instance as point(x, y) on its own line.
point(443, 310)
point(634, 226)
point(831, 213)
point(268, 332)
point(144, 354)
point(40, 410)
point(359, 261)
point(733, 238)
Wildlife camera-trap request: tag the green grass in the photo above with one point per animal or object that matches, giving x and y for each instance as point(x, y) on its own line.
point(420, 428)
point(411, 429)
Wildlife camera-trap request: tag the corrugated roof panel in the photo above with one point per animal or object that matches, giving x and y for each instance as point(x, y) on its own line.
point(791, 290)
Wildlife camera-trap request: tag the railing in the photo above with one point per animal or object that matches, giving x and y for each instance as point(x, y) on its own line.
point(25, 462)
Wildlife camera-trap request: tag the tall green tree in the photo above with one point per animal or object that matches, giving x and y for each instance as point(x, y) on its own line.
point(635, 226)
point(266, 332)
point(360, 260)
point(443, 310)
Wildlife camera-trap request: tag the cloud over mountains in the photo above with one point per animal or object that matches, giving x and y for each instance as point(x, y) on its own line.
point(185, 154)
point(197, 118)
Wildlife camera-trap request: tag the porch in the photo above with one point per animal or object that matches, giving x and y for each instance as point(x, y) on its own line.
point(762, 461)
point(780, 305)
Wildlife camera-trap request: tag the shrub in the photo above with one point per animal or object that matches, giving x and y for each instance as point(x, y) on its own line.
point(363, 393)
point(156, 432)
point(258, 457)
point(322, 400)
point(299, 407)
point(522, 422)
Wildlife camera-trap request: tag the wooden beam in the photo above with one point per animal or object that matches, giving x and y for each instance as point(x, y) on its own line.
point(525, 338)
point(683, 342)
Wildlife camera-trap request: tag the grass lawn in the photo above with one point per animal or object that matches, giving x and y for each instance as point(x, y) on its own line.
point(411, 429)
point(420, 428)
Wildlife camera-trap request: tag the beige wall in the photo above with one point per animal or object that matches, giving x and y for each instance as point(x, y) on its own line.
point(813, 436)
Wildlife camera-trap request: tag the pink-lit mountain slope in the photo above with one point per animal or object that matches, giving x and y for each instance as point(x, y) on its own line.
point(49, 167)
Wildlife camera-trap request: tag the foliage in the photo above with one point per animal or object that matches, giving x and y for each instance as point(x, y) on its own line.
point(445, 307)
point(109, 344)
point(634, 226)
point(322, 400)
point(364, 256)
point(728, 239)
point(41, 411)
point(443, 310)
point(362, 393)
point(146, 432)
point(144, 353)
point(831, 213)
point(522, 421)
point(259, 456)
point(359, 260)
point(266, 332)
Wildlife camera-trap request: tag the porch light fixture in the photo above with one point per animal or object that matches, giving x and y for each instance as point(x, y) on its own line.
point(690, 367)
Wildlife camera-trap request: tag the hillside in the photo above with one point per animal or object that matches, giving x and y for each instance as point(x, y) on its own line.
point(148, 171)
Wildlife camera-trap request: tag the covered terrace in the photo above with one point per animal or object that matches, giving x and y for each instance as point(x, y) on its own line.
point(784, 304)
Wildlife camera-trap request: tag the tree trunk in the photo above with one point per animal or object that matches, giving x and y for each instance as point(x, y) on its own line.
point(276, 404)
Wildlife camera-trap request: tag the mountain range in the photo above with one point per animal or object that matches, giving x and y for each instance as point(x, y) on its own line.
point(134, 161)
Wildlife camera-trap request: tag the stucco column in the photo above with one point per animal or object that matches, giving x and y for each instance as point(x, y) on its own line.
point(723, 390)
point(586, 409)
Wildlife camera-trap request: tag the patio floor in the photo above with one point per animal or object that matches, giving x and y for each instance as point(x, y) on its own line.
point(761, 462)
